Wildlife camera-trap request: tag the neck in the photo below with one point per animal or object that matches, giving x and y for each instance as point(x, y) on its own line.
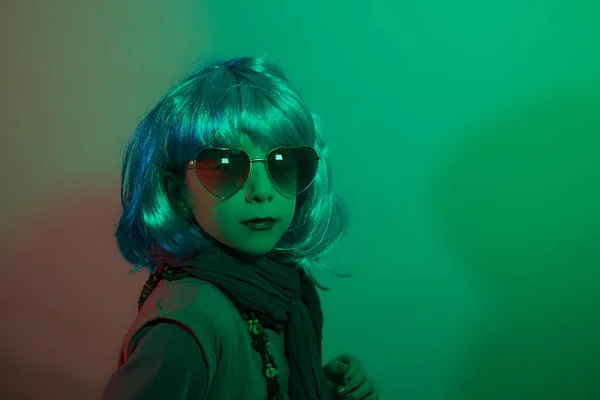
point(246, 258)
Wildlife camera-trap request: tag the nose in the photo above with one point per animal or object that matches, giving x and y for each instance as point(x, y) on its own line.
point(260, 188)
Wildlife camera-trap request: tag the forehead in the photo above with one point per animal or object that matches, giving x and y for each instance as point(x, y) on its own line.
point(251, 147)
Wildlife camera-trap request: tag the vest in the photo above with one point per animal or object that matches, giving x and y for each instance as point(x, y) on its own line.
point(234, 367)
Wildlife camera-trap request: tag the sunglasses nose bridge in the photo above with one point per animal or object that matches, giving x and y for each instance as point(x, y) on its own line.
point(259, 182)
point(262, 171)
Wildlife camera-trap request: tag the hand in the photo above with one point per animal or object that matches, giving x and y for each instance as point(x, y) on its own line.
point(350, 379)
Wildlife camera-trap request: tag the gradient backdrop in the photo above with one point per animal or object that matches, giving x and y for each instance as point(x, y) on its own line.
point(464, 135)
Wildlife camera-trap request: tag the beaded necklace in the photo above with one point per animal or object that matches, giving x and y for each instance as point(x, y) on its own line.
point(260, 341)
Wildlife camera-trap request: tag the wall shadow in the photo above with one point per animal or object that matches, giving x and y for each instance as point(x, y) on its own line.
point(518, 201)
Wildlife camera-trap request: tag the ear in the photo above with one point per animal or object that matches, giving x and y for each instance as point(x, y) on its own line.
point(174, 185)
point(177, 192)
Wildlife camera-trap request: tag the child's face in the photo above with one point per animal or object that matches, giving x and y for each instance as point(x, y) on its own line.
point(222, 219)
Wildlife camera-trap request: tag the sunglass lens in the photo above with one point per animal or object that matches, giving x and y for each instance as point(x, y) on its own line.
point(222, 172)
point(293, 169)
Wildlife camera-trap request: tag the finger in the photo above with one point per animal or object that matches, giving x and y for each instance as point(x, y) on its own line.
point(354, 368)
point(356, 381)
point(341, 368)
point(334, 371)
point(363, 391)
point(345, 358)
point(374, 395)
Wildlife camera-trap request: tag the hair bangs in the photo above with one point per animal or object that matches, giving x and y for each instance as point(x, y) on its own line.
point(229, 105)
point(272, 117)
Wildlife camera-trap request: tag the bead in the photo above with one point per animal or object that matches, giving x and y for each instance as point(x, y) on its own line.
point(258, 343)
point(255, 327)
point(271, 372)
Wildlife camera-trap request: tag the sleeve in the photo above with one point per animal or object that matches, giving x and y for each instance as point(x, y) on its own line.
point(167, 363)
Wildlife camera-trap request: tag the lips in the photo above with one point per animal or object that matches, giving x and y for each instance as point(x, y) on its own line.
point(259, 220)
point(260, 224)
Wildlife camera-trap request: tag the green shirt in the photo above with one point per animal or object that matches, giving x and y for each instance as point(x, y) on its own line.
point(167, 363)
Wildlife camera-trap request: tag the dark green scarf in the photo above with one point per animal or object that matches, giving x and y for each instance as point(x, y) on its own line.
point(280, 295)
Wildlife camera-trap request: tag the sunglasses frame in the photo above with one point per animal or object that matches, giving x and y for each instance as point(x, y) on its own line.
point(192, 164)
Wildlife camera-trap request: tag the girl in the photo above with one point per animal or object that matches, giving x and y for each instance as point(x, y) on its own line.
point(227, 200)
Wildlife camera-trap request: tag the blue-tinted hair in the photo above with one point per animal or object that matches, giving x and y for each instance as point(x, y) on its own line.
point(209, 108)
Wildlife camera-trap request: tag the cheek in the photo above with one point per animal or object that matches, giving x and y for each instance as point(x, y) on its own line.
point(290, 209)
point(201, 202)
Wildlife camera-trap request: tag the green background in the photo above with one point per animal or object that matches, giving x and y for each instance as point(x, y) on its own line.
point(464, 137)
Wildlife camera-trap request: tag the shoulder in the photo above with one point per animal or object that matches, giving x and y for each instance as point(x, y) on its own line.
point(190, 307)
point(200, 307)
point(188, 291)
point(197, 299)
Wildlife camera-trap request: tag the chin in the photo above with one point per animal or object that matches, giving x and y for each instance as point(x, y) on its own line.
point(255, 251)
